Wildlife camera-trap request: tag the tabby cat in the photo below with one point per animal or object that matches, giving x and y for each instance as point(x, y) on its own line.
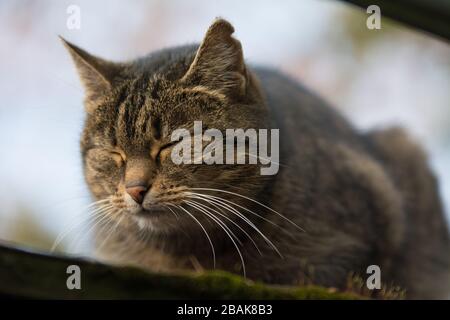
point(342, 200)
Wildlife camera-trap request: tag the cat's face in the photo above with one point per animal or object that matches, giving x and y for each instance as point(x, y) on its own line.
point(131, 115)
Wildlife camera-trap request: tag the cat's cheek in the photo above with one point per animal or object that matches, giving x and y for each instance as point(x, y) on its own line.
point(102, 163)
point(95, 185)
point(98, 191)
point(103, 182)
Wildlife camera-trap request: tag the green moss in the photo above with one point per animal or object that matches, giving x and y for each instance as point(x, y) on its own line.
point(223, 285)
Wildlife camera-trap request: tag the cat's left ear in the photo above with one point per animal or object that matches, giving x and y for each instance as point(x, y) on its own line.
point(97, 75)
point(219, 62)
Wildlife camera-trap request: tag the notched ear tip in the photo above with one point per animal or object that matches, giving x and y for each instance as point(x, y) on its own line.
point(219, 62)
point(221, 26)
point(221, 32)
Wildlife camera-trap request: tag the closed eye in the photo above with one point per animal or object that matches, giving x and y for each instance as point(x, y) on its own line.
point(169, 145)
point(164, 150)
point(118, 157)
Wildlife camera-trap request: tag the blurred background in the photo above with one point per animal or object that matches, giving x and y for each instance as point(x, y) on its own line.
point(375, 77)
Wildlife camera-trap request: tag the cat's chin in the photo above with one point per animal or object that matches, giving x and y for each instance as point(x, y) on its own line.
point(146, 223)
point(152, 213)
point(154, 220)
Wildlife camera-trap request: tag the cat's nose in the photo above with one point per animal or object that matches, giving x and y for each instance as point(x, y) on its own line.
point(137, 193)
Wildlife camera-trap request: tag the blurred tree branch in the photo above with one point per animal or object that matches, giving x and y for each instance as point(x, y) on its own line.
point(432, 16)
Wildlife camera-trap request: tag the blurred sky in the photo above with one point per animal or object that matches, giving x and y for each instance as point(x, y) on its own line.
point(376, 77)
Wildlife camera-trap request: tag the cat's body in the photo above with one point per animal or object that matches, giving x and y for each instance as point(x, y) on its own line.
point(341, 201)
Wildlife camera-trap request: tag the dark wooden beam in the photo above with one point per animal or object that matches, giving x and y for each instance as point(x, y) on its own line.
point(27, 274)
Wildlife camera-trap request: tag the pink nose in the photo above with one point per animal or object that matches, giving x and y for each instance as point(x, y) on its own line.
point(137, 193)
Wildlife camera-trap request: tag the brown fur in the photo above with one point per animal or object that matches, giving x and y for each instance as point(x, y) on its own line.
point(361, 199)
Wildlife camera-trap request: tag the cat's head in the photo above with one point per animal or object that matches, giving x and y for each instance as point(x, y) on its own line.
point(133, 108)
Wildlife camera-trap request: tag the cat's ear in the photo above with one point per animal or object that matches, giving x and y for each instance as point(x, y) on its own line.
point(97, 75)
point(219, 62)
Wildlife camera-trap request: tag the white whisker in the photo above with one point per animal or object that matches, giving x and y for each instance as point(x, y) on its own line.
point(72, 227)
point(225, 228)
point(101, 216)
point(112, 230)
point(218, 202)
point(204, 230)
point(223, 215)
point(254, 201)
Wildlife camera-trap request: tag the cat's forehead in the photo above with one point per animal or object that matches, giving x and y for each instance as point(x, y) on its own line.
point(149, 107)
point(143, 95)
point(138, 116)
point(151, 110)
point(167, 98)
